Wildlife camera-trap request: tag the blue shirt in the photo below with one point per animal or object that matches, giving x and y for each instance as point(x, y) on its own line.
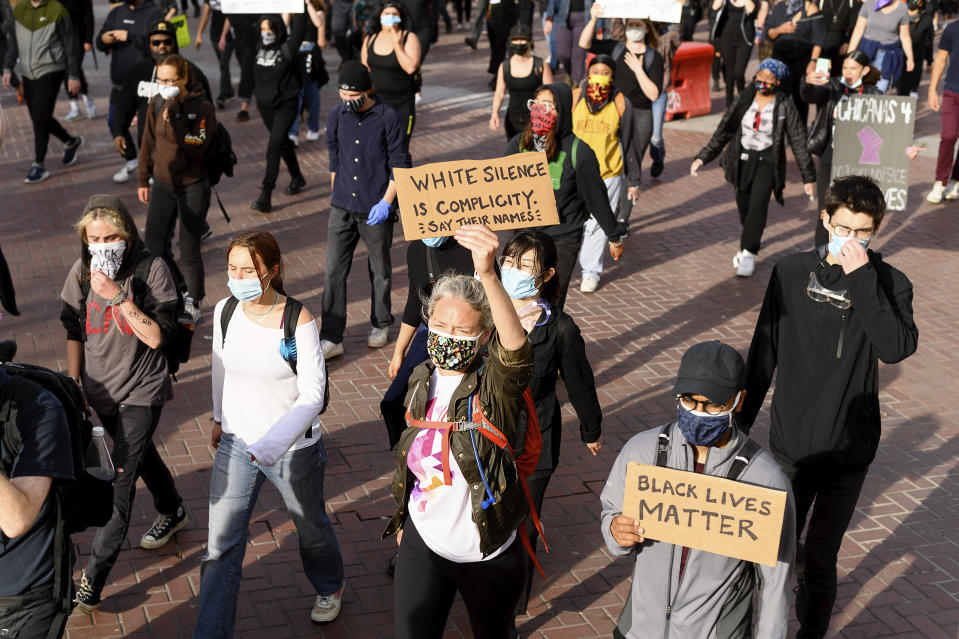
point(950, 42)
point(364, 150)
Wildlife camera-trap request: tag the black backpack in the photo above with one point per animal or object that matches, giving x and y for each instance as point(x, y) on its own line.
point(219, 156)
point(85, 502)
point(176, 350)
point(749, 450)
point(291, 315)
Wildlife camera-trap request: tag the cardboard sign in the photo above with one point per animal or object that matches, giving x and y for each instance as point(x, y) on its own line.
point(655, 10)
point(261, 7)
point(709, 513)
point(503, 193)
point(870, 138)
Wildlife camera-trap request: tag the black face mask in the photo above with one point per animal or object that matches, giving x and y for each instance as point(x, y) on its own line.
point(519, 49)
point(353, 106)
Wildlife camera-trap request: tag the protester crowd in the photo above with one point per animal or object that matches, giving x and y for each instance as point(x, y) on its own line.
point(484, 335)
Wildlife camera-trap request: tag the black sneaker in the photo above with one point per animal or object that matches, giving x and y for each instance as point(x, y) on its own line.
point(657, 168)
point(162, 529)
point(70, 150)
point(470, 42)
point(243, 116)
point(87, 598)
point(296, 185)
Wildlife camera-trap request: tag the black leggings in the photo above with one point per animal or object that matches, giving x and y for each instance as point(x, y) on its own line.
point(567, 255)
point(406, 113)
point(425, 583)
point(537, 490)
point(752, 198)
point(735, 52)
point(190, 204)
point(41, 97)
point(278, 123)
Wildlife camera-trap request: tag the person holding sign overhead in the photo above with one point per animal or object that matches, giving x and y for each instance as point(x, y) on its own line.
point(365, 141)
point(683, 591)
point(828, 317)
point(577, 184)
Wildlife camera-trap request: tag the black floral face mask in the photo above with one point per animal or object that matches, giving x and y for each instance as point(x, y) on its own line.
point(451, 352)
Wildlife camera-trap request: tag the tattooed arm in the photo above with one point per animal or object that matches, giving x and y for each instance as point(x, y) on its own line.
point(146, 330)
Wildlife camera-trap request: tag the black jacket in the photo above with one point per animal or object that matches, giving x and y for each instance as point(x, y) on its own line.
point(825, 409)
point(136, 22)
point(139, 87)
point(825, 98)
point(81, 14)
point(786, 122)
point(581, 191)
point(840, 18)
point(277, 70)
point(427, 264)
point(746, 26)
point(559, 349)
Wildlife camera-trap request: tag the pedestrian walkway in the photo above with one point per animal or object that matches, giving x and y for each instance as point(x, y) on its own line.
point(899, 564)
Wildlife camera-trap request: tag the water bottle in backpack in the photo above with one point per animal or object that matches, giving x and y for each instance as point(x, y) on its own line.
point(97, 461)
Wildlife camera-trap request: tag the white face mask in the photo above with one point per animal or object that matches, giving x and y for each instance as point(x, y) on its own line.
point(107, 257)
point(635, 34)
point(168, 92)
point(268, 37)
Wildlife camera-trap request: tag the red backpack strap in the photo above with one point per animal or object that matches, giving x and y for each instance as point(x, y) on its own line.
point(444, 428)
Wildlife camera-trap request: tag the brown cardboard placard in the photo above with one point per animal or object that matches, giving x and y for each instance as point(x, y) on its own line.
point(503, 193)
point(714, 514)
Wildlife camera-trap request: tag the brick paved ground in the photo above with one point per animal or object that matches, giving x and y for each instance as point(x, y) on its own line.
point(899, 565)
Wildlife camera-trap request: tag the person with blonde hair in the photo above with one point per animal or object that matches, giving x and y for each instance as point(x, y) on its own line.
point(119, 309)
point(269, 388)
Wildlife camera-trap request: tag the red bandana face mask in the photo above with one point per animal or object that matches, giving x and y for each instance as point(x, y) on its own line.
point(542, 120)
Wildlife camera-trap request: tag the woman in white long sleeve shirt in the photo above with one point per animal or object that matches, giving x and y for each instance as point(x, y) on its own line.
point(266, 427)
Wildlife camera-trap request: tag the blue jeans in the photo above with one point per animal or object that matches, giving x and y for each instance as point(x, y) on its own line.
point(657, 146)
point(310, 94)
point(234, 486)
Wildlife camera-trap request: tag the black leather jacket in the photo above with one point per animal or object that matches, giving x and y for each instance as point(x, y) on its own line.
point(786, 123)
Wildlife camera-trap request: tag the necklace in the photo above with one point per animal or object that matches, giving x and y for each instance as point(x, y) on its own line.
point(276, 298)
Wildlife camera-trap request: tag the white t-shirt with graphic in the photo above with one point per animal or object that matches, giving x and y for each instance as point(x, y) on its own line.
point(443, 514)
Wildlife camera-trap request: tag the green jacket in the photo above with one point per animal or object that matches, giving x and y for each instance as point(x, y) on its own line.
point(44, 39)
point(501, 382)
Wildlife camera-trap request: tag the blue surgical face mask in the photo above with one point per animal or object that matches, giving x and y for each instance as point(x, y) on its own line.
point(390, 20)
point(836, 243)
point(435, 242)
point(854, 85)
point(703, 429)
point(245, 290)
point(519, 284)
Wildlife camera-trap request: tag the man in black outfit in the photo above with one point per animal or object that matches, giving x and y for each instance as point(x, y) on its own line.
point(828, 317)
point(839, 17)
point(798, 32)
point(28, 607)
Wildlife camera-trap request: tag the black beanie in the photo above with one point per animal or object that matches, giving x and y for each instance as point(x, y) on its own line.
point(602, 58)
point(354, 76)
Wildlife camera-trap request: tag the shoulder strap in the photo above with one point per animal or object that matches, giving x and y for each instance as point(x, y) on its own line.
point(618, 50)
point(537, 65)
point(620, 102)
point(662, 446)
point(743, 458)
point(573, 152)
point(291, 315)
point(228, 307)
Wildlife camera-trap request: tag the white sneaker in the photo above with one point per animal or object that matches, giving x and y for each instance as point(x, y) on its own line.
point(295, 140)
point(90, 107)
point(128, 169)
point(378, 337)
point(747, 264)
point(935, 195)
point(331, 349)
point(952, 191)
point(737, 258)
point(312, 136)
point(74, 113)
point(589, 285)
point(326, 609)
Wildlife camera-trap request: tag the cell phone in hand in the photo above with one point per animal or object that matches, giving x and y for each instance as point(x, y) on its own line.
point(823, 65)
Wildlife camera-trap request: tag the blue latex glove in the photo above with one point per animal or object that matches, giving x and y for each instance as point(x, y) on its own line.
point(379, 213)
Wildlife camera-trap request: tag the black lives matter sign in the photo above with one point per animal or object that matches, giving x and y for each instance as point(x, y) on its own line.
point(708, 513)
point(870, 138)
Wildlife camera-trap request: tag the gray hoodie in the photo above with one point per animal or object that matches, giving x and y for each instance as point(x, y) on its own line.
point(713, 600)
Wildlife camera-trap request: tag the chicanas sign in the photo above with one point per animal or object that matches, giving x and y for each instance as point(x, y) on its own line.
point(714, 514)
point(502, 193)
point(870, 138)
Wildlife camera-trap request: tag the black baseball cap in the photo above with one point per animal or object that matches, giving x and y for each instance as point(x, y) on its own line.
point(163, 26)
point(711, 369)
point(354, 76)
point(520, 32)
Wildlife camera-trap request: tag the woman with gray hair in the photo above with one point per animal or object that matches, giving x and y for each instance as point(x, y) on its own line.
point(460, 498)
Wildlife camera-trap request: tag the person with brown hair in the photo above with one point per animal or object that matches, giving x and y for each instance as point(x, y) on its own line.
point(180, 126)
point(267, 396)
point(577, 184)
point(119, 309)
